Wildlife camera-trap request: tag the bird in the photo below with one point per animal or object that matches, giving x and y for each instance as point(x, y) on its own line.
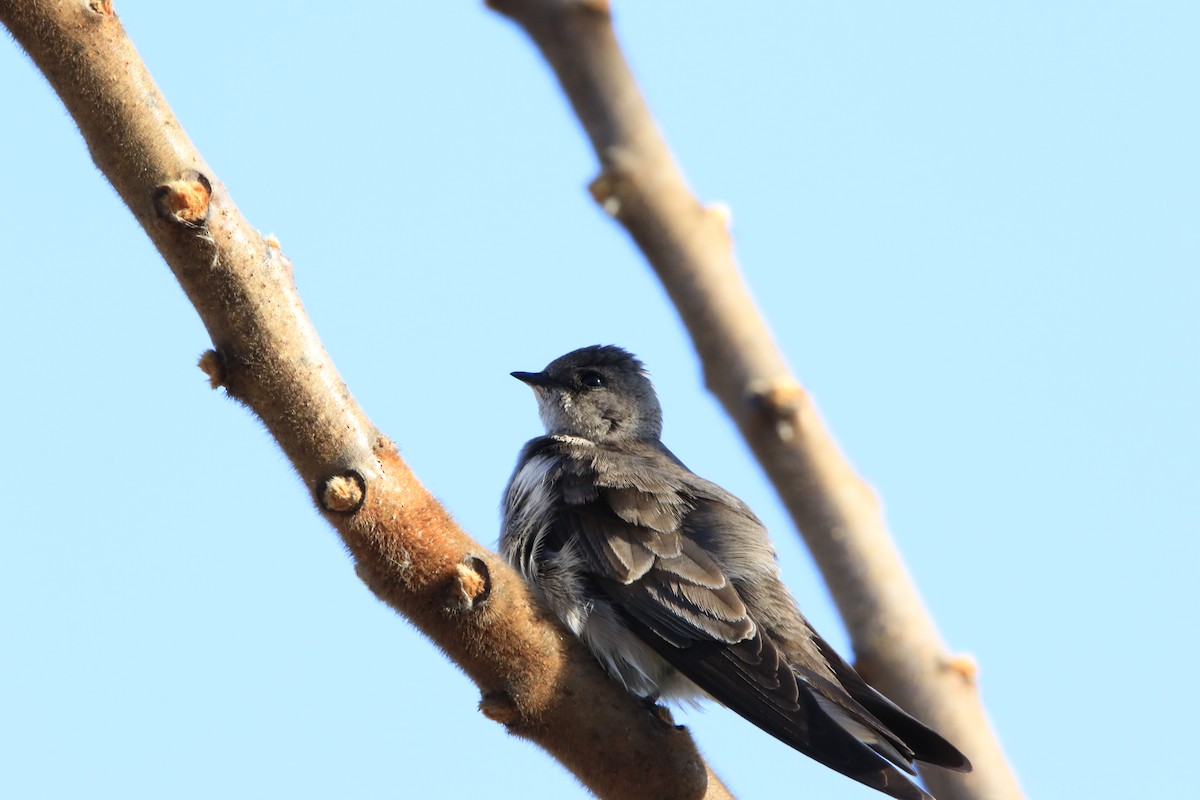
point(673, 584)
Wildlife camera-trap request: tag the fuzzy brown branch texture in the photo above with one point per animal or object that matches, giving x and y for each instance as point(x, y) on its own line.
point(267, 355)
point(897, 644)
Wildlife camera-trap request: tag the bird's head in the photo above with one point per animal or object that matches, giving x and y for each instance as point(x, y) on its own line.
point(600, 393)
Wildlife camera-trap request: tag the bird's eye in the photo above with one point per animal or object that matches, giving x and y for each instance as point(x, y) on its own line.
point(592, 380)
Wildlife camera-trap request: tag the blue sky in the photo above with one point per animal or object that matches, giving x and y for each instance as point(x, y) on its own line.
point(973, 229)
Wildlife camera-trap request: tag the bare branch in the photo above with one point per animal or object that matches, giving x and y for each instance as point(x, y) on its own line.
point(532, 674)
point(689, 246)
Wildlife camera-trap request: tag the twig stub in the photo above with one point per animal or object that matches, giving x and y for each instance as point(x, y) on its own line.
point(210, 364)
point(499, 707)
point(779, 401)
point(342, 493)
point(103, 7)
point(470, 586)
point(184, 201)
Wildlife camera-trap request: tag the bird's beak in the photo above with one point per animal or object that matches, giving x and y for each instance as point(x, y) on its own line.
point(534, 379)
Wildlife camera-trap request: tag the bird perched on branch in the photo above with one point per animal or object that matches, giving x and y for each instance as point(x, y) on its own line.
point(673, 583)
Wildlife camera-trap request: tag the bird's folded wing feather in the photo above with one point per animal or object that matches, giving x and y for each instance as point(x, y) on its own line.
point(628, 518)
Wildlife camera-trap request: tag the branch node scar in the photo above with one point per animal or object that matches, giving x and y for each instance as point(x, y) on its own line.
point(600, 7)
point(471, 584)
point(499, 707)
point(964, 665)
point(211, 365)
point(342, 493)
point(722, 214)
point(604, 191)
point(780, 400)
point(184, 201)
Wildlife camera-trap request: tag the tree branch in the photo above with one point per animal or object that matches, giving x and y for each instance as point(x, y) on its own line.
point(689, 246)
point(532, 674)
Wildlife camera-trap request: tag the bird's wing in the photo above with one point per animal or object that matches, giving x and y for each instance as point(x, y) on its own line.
point(927, 745)
point(631, 514)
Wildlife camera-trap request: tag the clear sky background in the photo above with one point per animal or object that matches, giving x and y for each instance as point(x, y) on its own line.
point(972, 227)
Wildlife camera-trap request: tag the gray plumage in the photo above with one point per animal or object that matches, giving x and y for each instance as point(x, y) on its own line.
point(673, 584)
